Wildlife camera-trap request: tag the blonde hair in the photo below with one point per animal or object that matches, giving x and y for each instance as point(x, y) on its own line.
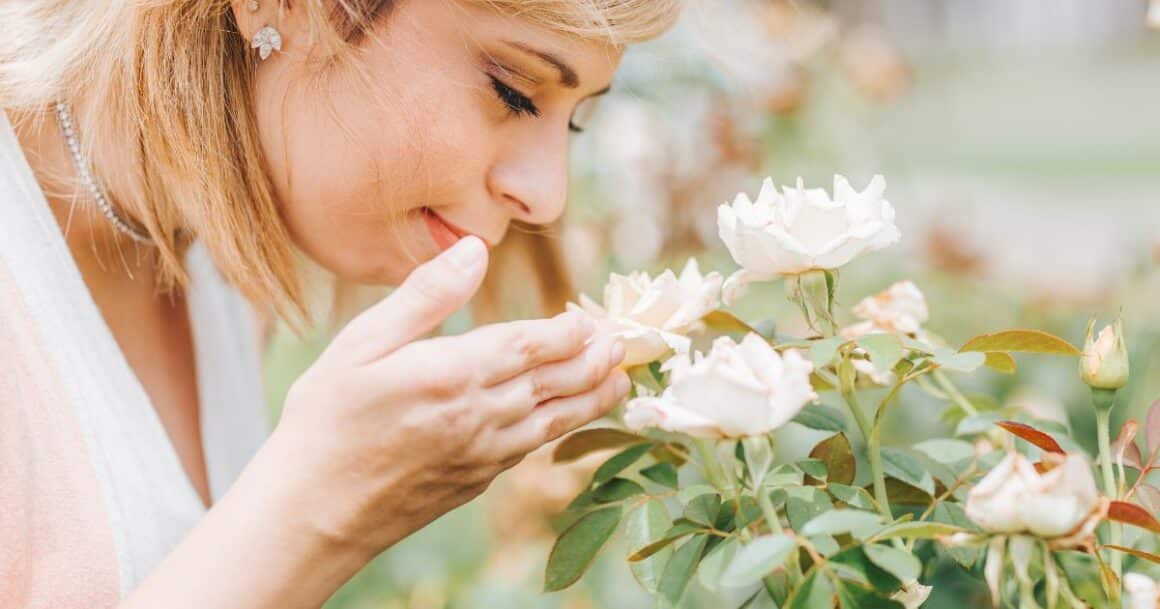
point(176, 78)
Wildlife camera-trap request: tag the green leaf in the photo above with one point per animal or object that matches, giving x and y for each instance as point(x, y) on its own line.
point(681, 528)
point(884, 350)
point(757, 559)
point(728, 323)
point(916, 530)
point(618, 462)
point(693, 491)
point(946, 451)
point(616, 489)
point(815, 592)
point(703, 509)
point(977, 424)
point(574, 550)
point(643, 525)
point(855, 596)
point(1021, 341)
point(663, 474)
point(588, 441)
point(814, 468)
point(805, 503)
point(959, 362)
point(679, 570)
point(835, 452)
point(822, 352)
point(900, 464)
point(859, 523)
point(821, 417)
point(902, 565)
point(867, 572)
point(901, 493)
point(715, 562)
point(851, 495)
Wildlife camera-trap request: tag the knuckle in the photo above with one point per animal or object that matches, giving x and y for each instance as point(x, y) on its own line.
point(555, 426)
point(526, 347)
point(537, 387)
point(596, 373)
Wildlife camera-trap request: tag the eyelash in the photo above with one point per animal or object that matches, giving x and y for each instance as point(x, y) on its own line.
point(519, 104)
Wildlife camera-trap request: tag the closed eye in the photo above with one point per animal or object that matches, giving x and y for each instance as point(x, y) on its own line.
point(519, 104)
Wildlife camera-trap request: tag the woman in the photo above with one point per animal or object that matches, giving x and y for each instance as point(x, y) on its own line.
point(158, 162)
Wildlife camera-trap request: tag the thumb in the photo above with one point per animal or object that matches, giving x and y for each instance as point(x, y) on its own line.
point(427, 297)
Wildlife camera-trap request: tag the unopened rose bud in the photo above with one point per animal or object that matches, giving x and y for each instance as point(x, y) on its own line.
point(1104, 364)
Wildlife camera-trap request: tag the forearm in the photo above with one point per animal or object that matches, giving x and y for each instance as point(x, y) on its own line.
point(258, 547)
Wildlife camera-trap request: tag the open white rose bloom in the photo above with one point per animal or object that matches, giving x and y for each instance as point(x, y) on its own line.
point(802, 229)
point(1143, 592)
point(652, 315)
point(736, 390)
point(1015, 498)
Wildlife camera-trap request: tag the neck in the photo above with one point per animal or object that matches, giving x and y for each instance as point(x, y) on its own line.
point(105, 256)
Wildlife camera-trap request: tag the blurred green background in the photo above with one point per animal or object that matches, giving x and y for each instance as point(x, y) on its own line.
point(1021, 145)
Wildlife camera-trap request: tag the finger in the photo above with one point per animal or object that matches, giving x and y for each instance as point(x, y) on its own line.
point(427, 297)
point(514, 399)
point(557, 417)
point(515, 347)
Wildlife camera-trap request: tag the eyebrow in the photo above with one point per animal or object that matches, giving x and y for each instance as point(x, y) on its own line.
point(568, 76)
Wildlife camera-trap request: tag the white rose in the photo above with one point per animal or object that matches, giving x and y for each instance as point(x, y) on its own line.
point(736, 390)
point(651, 316)
point(912, 595)
point(1015, 498)
point(803, 229)
point(1143, 593)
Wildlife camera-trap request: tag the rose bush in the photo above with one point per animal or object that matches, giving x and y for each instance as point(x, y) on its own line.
point(705, 493)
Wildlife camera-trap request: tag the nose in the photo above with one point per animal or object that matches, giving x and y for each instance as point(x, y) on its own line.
point(530, 175)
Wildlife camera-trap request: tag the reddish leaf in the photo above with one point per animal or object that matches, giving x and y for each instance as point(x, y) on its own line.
point(1149, 497)
point(1122, 511)
point(1152, 428)
point(1125, 445)
point(1137, 553)
point(1032, 435)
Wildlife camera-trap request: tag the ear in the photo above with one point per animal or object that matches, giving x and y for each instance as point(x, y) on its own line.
point(253, 15)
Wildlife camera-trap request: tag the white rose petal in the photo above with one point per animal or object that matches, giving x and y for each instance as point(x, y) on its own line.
point(900, 309)
point(651, 316)
point(737, 390)
point(1015, 498)
point(1143, 592)
point(803, 229)
point(912, 595)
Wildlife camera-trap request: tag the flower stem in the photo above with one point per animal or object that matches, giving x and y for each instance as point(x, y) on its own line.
point(1104, 436)
point(953, 392)
point(869, 435)
point(795, 571)
point(713, 470)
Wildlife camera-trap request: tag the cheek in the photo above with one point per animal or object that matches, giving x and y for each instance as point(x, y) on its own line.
point(349, 173)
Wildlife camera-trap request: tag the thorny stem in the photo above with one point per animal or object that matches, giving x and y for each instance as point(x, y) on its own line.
point(873, 447)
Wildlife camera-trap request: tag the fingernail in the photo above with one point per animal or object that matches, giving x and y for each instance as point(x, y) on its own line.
point(617, 352)
point(467, 252)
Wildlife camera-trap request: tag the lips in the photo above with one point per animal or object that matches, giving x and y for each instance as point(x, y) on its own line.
point(444, 233)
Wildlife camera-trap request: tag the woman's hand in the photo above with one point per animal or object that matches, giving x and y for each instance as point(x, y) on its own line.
point(386, 433)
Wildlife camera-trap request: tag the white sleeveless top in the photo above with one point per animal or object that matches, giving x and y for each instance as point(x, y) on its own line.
point(92, 493)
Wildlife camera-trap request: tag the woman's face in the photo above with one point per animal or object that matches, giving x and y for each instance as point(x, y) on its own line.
point(461, 124)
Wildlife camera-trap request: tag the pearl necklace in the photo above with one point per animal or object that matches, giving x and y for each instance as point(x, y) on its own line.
point(66, 125)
